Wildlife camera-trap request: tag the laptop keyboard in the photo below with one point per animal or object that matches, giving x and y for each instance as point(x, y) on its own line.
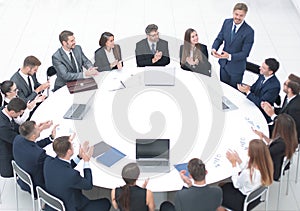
point(153, 163)
point(78, 111)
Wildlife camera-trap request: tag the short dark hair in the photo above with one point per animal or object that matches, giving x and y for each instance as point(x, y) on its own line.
point(273, 64)
point(16, 104)
point(241, 6)
point(61, 145)
point(63, 36)
point(104, 37)
point(27, 128)
point(150, 28)
point(6, 86)
point(197, 169)
point(294, 86)
point(31, 61)
point(293, 77)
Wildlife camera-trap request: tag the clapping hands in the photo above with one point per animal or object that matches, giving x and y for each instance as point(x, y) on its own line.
point(86, 151)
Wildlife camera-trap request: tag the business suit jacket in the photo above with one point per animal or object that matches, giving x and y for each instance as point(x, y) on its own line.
point(144, 54)
point(293, 109)
point(63, 66)
point(24, 92)
point(64, 182)
point(203, 67)
point(101, 60)
point(30, 156)
point(207, 198)
point(8, 133)
point(239, 48)
point(267, 91)
point(277, 151)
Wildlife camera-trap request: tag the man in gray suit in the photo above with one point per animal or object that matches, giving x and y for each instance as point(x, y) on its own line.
point(152, 51)
point(26, 81)
point(69, 60)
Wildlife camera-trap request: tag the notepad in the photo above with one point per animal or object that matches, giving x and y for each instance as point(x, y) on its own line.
point(110, 157)
point(182, 166)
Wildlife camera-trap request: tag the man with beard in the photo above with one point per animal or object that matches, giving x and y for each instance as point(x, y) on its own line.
point(68, 61)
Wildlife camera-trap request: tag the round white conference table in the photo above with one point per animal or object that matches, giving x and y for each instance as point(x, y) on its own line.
point(189, 113)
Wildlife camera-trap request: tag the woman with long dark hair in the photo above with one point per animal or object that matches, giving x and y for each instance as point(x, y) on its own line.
point(108, 56)
point(283, 142)
point(130, 196)
point(194, 55)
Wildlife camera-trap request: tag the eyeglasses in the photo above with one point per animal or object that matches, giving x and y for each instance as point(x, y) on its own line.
point(154, 34)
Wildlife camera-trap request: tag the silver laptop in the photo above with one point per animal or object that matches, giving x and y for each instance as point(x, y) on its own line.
point(153, 155)
point(227, 105)
point(78, 110)
point(159, 76)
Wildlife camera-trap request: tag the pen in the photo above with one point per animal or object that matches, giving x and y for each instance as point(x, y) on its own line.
point(123, 84)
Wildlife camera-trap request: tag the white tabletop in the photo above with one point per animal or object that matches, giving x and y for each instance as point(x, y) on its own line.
point(189, 114)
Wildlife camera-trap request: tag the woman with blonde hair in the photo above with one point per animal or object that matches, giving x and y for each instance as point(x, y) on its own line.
point(283, 142)
point(130, 196)
point(247, 177)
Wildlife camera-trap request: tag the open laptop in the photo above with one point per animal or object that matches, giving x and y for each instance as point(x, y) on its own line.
point(159, 76)
point(78, 110)
point(153, 155)
point(227, 105)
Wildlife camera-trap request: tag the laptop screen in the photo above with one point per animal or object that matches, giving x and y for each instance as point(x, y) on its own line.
point(152, 148)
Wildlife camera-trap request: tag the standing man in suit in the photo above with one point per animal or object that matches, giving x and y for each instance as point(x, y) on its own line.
point(267, 86)
point(69, 60)
point(9, 129)
point(29, 154)
point(237, 37)
point(152, 51)
point(66, 183)
point(198, 196)
point(26, 81)
point(291, 103)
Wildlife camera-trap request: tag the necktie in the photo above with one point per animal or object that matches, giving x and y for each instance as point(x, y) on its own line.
point(12, 123)
point(262, 82)
point(73, 62)
point(233, 32)
point(153, 48)
point(29, 83)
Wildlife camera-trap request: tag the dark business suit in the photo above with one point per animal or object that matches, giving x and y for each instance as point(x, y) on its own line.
point(267, 91)
point(25, 93)
point(63, 66)
point(101, 60)
point(64, 182)
point(8, 133)
point(207, 198)
point(277, 151)
point(293, 109)
point(144, 54)
point(30, 156)
point(204, 67)
point(231, 72)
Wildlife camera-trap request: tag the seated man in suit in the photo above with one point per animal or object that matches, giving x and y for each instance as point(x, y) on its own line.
point(9, 129)
point(291, 103)
point(66, 183)
point(69, 60)
point(29, 154)
point(152, 51)
point(198, 196)
point(267, 86)
point(26, 81)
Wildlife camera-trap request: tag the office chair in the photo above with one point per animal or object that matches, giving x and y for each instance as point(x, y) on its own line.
point(49, 199)
point(255, 194)
point(285, 163)
point(51, 71)
point(25, 177)
point(298, 158)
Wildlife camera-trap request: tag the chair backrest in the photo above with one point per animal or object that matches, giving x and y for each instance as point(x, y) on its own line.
point(255, 194)
point(49, 199)
point(285, 163)
point(50, 71)
point(21, 174)
point(254, 68)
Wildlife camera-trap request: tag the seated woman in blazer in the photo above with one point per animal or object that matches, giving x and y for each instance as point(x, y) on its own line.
point(193, 55)
point(283, 143)
point(108, 56)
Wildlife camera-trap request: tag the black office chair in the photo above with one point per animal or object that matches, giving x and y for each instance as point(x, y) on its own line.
point(255, 194)
point(51, 71)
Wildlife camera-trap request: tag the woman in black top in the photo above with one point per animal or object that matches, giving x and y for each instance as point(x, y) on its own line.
point(283, 143)
point(194, 55)
point(131, 197)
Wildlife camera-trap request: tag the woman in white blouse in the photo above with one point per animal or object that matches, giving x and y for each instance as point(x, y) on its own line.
point(246, 177)
point(108, 56)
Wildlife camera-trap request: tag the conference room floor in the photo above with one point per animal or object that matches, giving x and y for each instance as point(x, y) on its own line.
point(31, 27)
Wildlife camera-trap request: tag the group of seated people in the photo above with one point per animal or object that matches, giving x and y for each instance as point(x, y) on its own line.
point(21, 95)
